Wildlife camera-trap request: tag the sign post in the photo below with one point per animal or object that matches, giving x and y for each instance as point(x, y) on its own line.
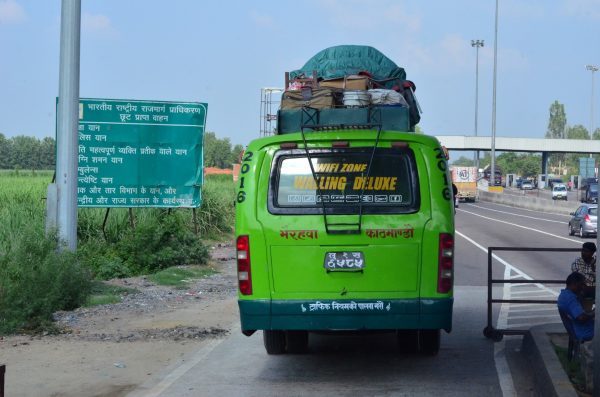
point(587, 167)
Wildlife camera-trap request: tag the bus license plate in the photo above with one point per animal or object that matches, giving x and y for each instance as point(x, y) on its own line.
point(344, 261)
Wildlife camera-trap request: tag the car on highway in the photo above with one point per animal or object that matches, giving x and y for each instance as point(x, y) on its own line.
point(518, 182)
point(583, 221)
point(554, 181)
point(526, 185)
point(589, 193)
point(559, 191)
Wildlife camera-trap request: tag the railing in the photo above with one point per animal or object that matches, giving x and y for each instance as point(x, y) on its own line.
point(497, 334)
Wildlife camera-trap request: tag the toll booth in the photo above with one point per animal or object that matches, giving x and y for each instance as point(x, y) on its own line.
point(511, 180)
point(541, 181)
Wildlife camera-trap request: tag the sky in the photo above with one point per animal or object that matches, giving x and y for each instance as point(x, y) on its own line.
point(224, 52)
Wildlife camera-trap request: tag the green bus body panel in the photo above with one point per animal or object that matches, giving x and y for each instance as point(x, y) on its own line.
point(402, 314)
point(287, 273)
point(305, 262)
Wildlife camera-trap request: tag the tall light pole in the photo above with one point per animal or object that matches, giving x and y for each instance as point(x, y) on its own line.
point(596, 340)
point(67, 121)
point(493, 164)
point(477, 44)
point(593, 69)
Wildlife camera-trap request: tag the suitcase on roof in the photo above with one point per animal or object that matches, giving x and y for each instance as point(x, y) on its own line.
point(320, 98)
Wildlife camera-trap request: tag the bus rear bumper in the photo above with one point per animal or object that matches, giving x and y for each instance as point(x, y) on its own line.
point(331, 315)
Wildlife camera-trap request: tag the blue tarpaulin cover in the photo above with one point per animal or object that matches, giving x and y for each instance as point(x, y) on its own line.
point(345, 60)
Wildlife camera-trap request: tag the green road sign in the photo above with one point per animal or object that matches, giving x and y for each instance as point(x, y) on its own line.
point(140, 153)
point(587, 167)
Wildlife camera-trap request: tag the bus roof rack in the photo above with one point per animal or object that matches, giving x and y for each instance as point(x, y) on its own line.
point(344, 227)
point(334, 127)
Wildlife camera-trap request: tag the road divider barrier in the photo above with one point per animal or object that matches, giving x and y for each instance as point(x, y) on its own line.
point(529, 201)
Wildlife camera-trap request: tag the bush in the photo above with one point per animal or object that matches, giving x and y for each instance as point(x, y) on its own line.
point(159, 243)
point(217, 212)
point(36, 280)
point(100, 258)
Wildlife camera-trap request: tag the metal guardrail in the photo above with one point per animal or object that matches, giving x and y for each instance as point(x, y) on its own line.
point(497, 334)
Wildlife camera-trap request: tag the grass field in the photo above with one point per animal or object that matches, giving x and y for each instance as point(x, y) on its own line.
point(22, 202)
point(36, 279)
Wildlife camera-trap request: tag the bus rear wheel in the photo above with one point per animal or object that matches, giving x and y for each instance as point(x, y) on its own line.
point(408, 341)
point(296, 341)
point(274, 341)
point(429, 341)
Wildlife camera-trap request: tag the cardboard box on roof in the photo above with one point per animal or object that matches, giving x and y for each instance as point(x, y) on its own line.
point(353, 82)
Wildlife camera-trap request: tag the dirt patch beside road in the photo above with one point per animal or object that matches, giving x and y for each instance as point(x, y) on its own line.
point(109, 350)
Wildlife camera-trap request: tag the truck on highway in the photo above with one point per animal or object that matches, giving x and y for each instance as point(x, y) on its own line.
point(465, 179)
point(588, 190)
point(345, 218)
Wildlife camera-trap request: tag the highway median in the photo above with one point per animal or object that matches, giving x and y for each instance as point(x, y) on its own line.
point(530, 202)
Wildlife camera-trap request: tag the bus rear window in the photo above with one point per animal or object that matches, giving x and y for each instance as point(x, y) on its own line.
point(342, 181)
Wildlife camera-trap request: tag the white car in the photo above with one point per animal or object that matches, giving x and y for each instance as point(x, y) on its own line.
point(526, 185)
point(559, 191)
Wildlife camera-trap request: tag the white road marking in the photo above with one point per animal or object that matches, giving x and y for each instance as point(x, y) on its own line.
point(502, 369)
point(528, 312)
point(529, 325)
point(522, 227)
point(529, 309)
point(515, 214)
point(173, 376)
point(525, 292)
point(506, 264)
point(528, 315)
point(505, 379)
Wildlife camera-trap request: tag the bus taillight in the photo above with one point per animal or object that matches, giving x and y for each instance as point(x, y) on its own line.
point(243, 265)
point(445, 263)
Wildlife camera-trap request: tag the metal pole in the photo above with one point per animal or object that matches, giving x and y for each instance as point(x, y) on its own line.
point(67, 120)
point(596, 340)
point(489, 290)
point(493, 164)
point(593, 69)
point(592, 109)
point(477, 44)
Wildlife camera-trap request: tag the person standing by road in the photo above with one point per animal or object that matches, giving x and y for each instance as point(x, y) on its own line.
point(568, 302)
point(586, 265)
point(455, 195)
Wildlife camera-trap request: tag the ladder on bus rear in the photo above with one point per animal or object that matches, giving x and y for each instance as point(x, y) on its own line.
point(312, 116)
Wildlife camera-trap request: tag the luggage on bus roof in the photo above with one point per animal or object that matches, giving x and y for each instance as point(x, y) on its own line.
point(345, 60)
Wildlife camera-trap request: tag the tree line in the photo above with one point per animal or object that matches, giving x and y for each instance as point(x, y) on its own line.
point(524, 164)
point(31, 153)
point(528, 164)
point(27, 152)
point(558, 128)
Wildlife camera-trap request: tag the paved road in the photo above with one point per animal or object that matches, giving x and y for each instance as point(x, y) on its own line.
point(467, 364)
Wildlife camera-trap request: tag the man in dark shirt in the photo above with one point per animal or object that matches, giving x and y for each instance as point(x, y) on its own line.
point(586, 265)
point(568, 302)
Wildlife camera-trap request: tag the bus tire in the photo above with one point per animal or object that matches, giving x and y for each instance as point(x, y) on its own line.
point(408, 341)
point(296, 341)
point(274, 341)
point(429, 341)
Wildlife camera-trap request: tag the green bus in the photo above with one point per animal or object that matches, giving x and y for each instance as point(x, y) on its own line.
point(345, 230)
